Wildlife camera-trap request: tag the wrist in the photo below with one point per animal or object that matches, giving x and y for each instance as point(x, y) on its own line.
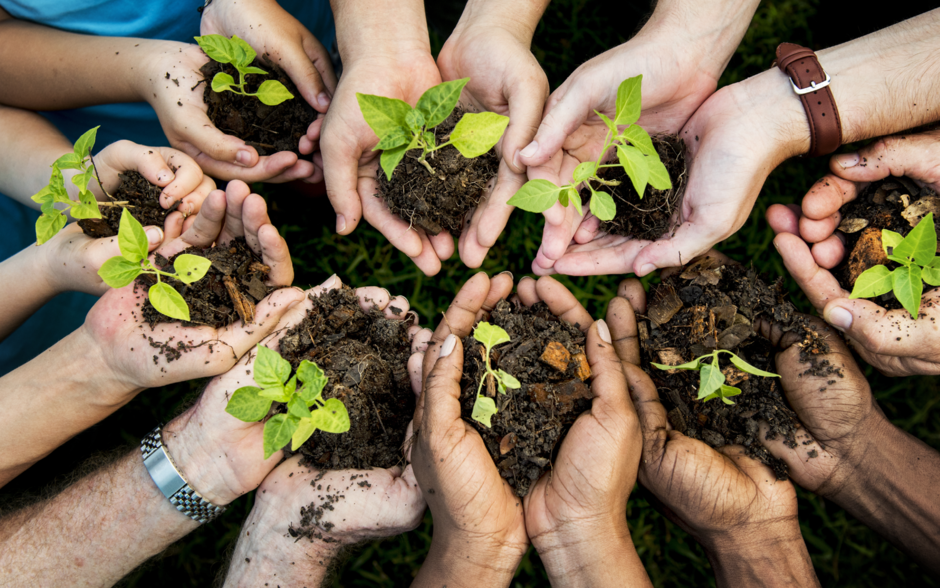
point(519, 19)
point(104, 388)
point(465, 560)
point(588, 556)
point(363, 33)
point(775, 555)
point(203, 465)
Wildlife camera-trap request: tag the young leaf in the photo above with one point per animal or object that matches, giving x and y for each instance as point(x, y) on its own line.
point(291, 385)
point(332, 417)
point(874, 281)
point(48, 225)
point(68, 161)
point(222, 82)
point(87, 207)
point(132, 239)
point(483, 410)
point(277, 393)
point(602, 206)
point(610, 124)
point(575, 197)
point(710, 379)
point(508, 380)
point(383, 114)
point(692, 365)
point(396, 138)
point(563, 197)
point(429, 139)
point(297, 407)
point(191, 268)
point(314, 380)
point(277, 432)
point(640, 139)
point(81, 180)
point(746, 367)
point(117, 272)
point(536, 196)
point(305, 428)
point(168, 301)
point(729, 390)
point(242, 53)
point(584, 171)
point(628, 101)
point(890, 240)
point(252, 70)
point(908, 287)
point(273, 92)
point(390, 158)
point(931, 275)
point(921, 243)
point(899, 260)
point(85, 143)
point(634, 163)
point(477, 133)
point(659, 175)
point(217, 47)
point(246, 405)
point(436, 104)
point(490, 335)
point(271, 370)
point(414, 120)
point(43, 196)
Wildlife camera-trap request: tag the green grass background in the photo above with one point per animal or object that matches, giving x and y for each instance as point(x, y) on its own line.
point(844, 551)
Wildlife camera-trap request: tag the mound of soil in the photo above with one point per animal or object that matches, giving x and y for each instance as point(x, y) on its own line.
point(654, 215)
point(897, 204)
point(438, 202)
point(365, 356)
point(546, 355)
point(143, 200)
point(713, 306)
point(269, 129)
point(231, 288)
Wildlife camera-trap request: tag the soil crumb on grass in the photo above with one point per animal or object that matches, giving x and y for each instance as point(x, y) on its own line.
point(713, 306)
point(546, 355)
point(231, 288)
point(143, 200)
point(440, 202)
point(269, 129)
point(654, 215)
point(365, 357)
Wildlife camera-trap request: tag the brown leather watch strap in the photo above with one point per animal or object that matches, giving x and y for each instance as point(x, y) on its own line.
point(810, 82)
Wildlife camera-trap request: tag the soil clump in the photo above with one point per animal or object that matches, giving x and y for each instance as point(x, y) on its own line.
point(143, 201)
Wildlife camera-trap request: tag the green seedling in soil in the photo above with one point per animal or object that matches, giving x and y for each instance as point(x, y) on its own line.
point(401, 128)
point(121, 270)
point(240, 55)
point(273, 374)
point(712, 381)
point(485, 407)
point(916, 254)
point(635, 154)
point(53, 219)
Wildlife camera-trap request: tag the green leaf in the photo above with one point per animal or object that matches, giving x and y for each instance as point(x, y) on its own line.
point(117, 272)
point(490, 335)
point(297, 407)
point(168, 301)
point(247, 406)
point(483, 410)
point(921, 243)
point(436, 104)
point(85, 143)
point(69, 161)
point(710, 380)
point(563, 196)
point(331, 417)
point(508, 380)
point(602, 206)
point(131, 238)
point(191, 268)
point(659, 175)
point(277, 432)
point(48, 225)
point(536, 196)
point(291, 385)
point(477, 133)
point(277, 393)
point(584, 171)
point(86, 208)
point(242, 53)
point(874, 281)
point(81, 180)
point(899, 260)
point(729, 390)
point(271, 370)
point(640, 139)
point(314, 380)
point(273, 92)
point(57, 187)
point(414, 121)
point(610, 124)
point(636, 166)
point(43, 196)
point(746, 367)
point(575, 197)
point(692, 365)
point(383, 114)
point(931, 275)
point(935, 262)
point(628, 101)
point(430, 139)
point(908, 287)
point(396, 138)
point(390, 158)
point(890, 240)
point(305, 428)
point(217, 47)
point(222, 82)
point(252, 70)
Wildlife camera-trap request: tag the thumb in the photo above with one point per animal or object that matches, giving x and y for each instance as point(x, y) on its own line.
point(341, 174)
point(525, 113)
point(916, 156)
point(298, 65)
point(441, 397)
point(566, 111)
point(886, 332)
point(241, 337)
point(690, 240)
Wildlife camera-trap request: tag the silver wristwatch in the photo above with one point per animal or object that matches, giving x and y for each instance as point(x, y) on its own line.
point(172, 484)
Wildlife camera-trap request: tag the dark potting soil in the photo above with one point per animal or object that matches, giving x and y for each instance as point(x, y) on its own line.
point(269, 129)
point(546, 355)
point(895, 203)
point(231, 288)
point(652, 216)
point(365, 356)
point(438, 202)
point(709, 306)
point(143, 200)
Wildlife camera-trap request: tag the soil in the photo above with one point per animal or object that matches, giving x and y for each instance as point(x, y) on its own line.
point(365, 357)
point(232, 287)
point(895, 203)
point(269, 129)
point(546, 355)
point(438, 202)
point(654, 215)
point(143, 199)
point(709, 306)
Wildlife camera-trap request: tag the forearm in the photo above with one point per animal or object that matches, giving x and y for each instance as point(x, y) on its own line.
point(779, 560)
point(25, 161)
point(520, 17)
point(33, 289)
point(461, 564)
point(387, 29)
point(608, 559)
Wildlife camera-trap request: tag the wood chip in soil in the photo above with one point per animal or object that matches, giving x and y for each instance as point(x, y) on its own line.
point(143, 199)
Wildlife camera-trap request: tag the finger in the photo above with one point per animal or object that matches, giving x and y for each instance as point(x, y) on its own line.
point(427, 261)
point(884, 332)
point(187, 177)
point(649, 410)
point(588, 229)
point(829, 253)
point(420, 340)
point(806, 459)
point(784, 218)
point(373, 297)
point(415, 362)
point(500, 288)
point(527, 292)
point(563, 303)
point(236, 192)
point(443, 245)
point(557, 233)
point(241, 337)
point(526, 99)
point(632, 290)
point(690, 240)
point(376, 212)
point(397, 308)
point(593, 259)
point(565, 112)
point(173, 226)
point(276, 256)
point(818, 284)
point(320, 57)
point(622, 323)
point(608, 383)
point(916, 156)
point(441, 398)
point(759, 473)
point(254, 216)
point(827, 196)
point(192, 202)
point(814, 231)
point(298, 63)
point(459, 317)
point(340, 156)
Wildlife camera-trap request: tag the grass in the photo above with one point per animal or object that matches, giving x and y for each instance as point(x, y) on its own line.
point(844, 551)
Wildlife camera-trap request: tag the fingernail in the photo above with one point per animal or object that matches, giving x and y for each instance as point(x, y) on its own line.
point(508, 273)
point(530, 149)
point(164, 176)
point(839, 318)
point(448, 347)
point(323, 100)
point(154, 235)
point(329, 283)
point(243, 158)
point(847, 160)
point(604, 331)
point(340, 223)
point(645, 269)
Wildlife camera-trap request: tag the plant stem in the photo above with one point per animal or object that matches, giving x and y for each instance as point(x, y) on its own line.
point(97, 177)
point(426, 164)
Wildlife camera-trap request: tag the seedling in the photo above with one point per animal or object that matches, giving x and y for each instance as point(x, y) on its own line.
point(712, 381)
point(401, 128)
point(916, 254)
point(240, 55)
point(53, 219)
point(635, 154)
point(273, 374)
point(120, 271)
point(485, 407)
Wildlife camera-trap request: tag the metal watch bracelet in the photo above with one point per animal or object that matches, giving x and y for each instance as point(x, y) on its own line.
point(171, 483)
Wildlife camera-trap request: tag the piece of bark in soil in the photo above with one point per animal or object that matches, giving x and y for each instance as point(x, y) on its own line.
point(143, 200)
point(440, 202)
